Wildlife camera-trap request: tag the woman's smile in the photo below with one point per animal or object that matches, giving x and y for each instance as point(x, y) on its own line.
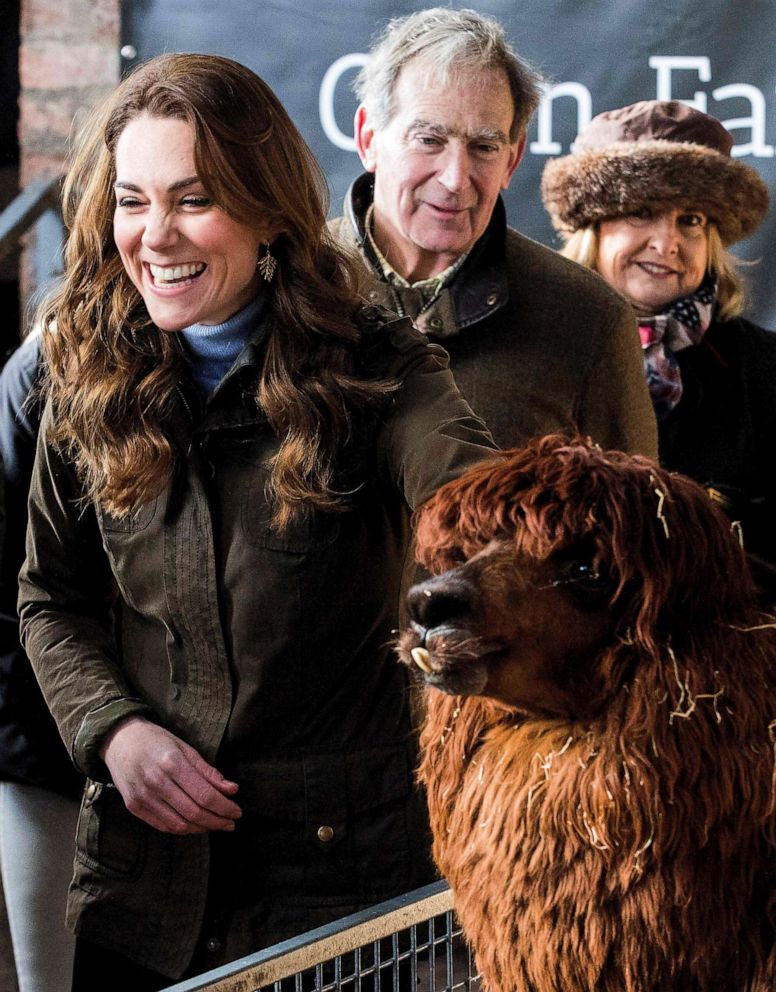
point(190, 261)
point(654, 259)
point(168, 275)
point(654, 269)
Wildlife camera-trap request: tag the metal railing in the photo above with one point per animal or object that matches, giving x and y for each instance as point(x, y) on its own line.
point(412, 943)
point(38, 205)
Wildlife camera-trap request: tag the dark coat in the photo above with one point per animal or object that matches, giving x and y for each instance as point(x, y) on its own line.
point(723, 432)
point(537, 343)
point(31, 750)
point(269, 653)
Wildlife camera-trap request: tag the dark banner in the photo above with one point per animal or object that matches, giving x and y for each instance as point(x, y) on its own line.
point(596, 55)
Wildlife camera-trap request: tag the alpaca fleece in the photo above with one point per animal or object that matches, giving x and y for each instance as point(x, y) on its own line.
point(617, 831)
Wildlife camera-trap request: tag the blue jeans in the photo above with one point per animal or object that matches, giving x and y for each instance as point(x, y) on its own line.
point(37, 842)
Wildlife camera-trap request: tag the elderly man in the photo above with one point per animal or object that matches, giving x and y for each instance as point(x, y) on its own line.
point(536, 344)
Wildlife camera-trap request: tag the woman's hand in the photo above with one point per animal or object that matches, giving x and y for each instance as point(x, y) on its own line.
point(165, 782)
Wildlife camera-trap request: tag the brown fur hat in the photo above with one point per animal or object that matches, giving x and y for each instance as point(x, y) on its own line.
point(658, 154)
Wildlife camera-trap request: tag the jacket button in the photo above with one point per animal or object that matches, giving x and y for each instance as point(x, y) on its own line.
point(213, 944)
point(91, 790)
point(491, 299)
point(325, 834)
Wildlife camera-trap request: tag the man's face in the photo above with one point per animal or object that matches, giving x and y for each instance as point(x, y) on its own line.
point(439, 165)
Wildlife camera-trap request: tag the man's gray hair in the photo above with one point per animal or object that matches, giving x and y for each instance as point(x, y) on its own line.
point(447, 41)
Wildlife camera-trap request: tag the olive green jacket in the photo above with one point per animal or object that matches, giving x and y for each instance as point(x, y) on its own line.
point(537, 343)
point(269, 653)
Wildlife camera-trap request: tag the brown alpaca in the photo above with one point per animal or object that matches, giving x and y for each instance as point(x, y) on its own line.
point(600, 760)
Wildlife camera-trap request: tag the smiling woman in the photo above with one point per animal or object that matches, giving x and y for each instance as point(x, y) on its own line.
point(653, 257)
point(189, 260)
point(652, 199)
point(230, 444)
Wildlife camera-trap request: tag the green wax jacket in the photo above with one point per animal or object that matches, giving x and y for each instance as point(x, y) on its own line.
point(269, 653)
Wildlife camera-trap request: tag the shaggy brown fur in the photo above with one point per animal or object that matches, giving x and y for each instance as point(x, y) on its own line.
point(579, 190)
point(600, 761)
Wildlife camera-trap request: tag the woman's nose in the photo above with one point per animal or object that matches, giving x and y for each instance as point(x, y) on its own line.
point(160, 230)
point(664, 235)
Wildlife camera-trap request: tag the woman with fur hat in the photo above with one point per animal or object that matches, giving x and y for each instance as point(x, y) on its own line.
point(652, 200)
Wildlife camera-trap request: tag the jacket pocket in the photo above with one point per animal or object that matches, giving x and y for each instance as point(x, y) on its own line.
point(312, 532)
point(132, 523)
point(331, 827)
point(109, 839)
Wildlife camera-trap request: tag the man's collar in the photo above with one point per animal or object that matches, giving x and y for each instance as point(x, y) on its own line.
point(480, 287)
point(357, 200)
point(428, 287)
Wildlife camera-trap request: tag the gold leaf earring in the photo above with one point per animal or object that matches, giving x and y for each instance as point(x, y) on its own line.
point(267, 263)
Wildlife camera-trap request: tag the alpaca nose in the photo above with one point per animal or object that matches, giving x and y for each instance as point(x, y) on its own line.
point(438, 600)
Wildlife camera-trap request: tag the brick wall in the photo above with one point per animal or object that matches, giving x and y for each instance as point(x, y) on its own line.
point(68, 60)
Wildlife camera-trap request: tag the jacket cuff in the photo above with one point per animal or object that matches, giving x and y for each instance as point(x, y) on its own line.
point(94, 728)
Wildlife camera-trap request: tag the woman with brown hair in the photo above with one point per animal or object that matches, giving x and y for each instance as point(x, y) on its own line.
point(652, 199)
point(218, 526)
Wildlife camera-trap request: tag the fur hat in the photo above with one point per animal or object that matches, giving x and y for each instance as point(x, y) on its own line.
point(658, 154)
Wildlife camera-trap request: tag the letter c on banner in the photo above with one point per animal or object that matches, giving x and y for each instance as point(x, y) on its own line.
point(326, 99)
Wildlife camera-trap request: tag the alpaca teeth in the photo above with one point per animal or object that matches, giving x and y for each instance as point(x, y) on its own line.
point(420, 656)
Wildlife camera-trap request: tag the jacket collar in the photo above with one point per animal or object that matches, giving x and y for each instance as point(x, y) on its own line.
point(478, 290)
point(233, 403)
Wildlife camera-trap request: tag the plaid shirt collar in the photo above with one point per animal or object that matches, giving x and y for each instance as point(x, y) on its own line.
point(428, 288)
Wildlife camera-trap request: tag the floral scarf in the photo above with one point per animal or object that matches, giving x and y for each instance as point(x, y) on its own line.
point(681, 326)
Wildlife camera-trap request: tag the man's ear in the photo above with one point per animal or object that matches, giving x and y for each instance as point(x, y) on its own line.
point(364, 134)
point(515, 158)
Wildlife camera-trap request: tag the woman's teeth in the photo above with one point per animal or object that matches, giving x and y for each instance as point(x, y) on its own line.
point(175, 273)
point(657, 270)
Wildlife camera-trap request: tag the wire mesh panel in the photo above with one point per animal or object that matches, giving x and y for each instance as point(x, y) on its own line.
point(409, 944)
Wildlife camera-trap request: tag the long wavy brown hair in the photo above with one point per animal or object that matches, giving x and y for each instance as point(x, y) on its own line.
point(112, 373)
point(631, 846)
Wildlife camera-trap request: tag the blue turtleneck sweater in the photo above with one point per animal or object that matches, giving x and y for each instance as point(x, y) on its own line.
point(212, 349)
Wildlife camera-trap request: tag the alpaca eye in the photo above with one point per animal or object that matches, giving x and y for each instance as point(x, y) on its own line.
point(587, 584)
point(582, 571)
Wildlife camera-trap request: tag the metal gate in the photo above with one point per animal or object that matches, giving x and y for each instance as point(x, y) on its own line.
point(409, 944)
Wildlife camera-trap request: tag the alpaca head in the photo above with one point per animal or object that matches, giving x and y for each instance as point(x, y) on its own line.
point(546, 560)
